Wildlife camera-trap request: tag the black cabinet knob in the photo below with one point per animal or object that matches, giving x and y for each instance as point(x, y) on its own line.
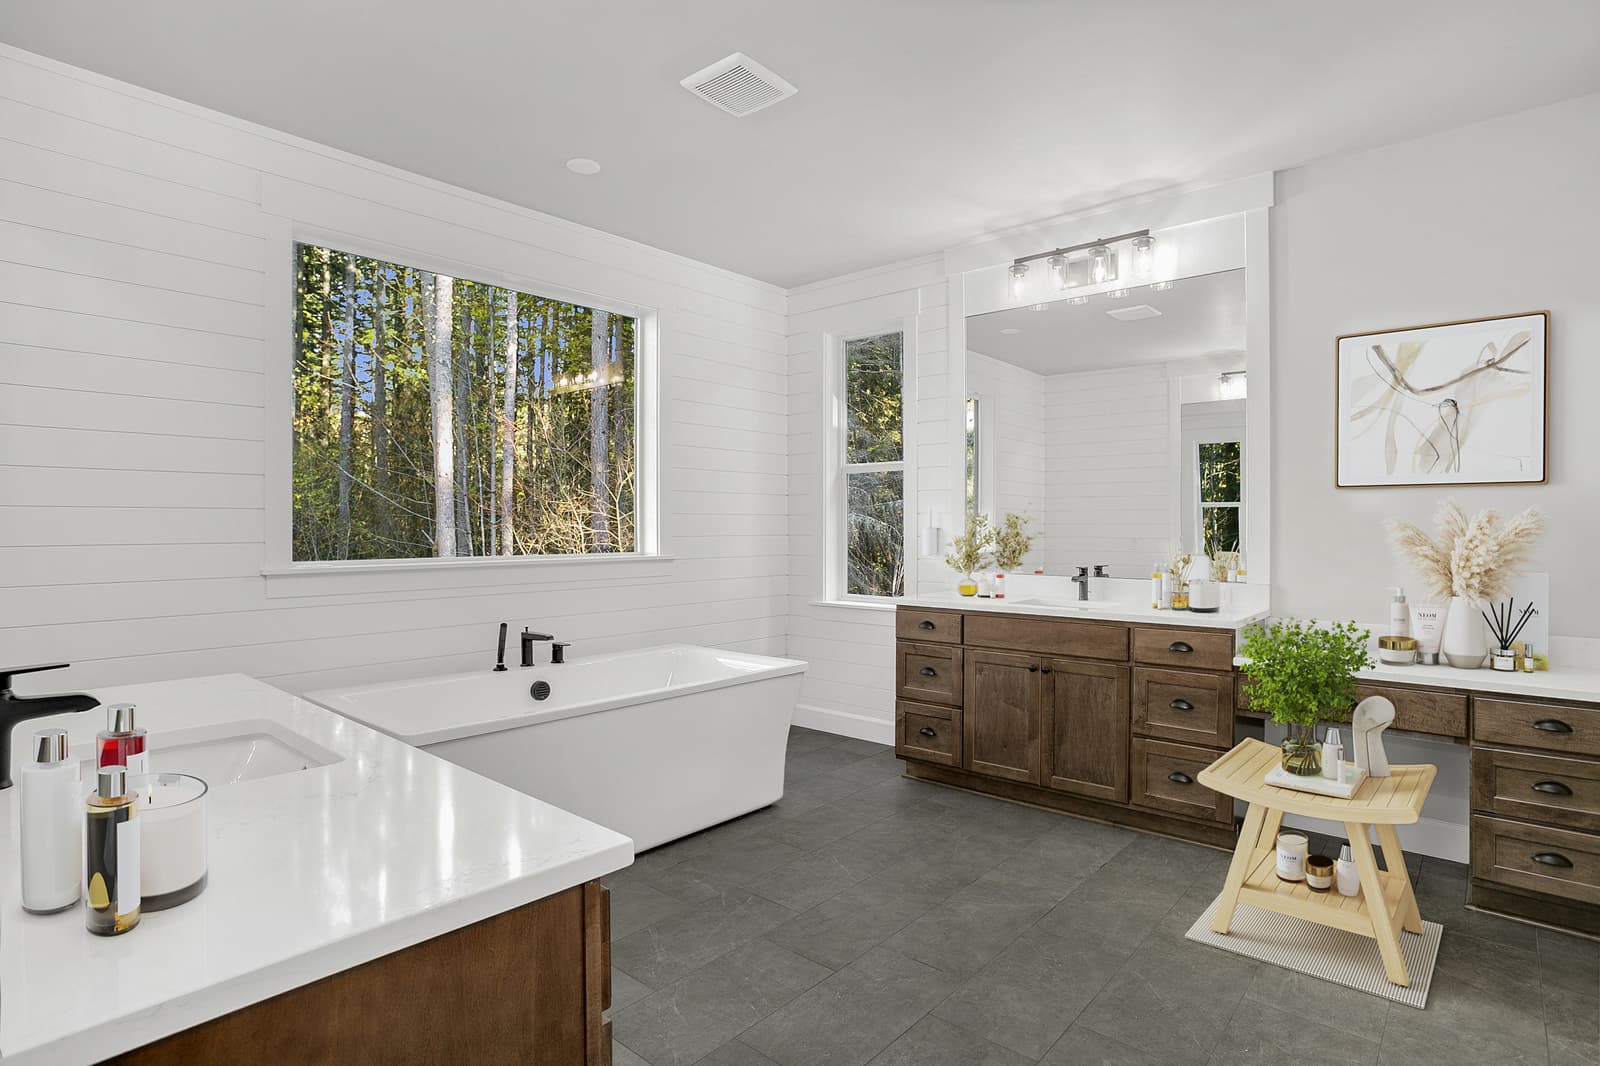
point(1181, 646)
point(928, 731)
point(1552, 725)
point(926, 623)
point(1046, 670)
point(1033, 668)
point(1552, 788)
point(1179, 777)
point(1553, 858)
point(1181, 705)
point(928, 671)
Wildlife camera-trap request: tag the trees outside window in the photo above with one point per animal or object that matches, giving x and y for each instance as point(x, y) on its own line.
point(443, 417)
point(1221, 496)
point(874, 466)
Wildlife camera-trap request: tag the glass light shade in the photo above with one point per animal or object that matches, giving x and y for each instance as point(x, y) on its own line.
point(1160, 286)
point(1144, 256)
point(1058, 271)
point(1019, 276)
point(1077, 301)
point(1116, 294)
point(1099, 264)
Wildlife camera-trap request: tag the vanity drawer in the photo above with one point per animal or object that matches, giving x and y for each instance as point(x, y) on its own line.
point(929, 627)
point(927, 733)
point(1543, 788)
point(1420, 710)
point(1166, 778)
point(1048, 636)
point(1194, 708)
point(1193, 649)
point(1526, 724)
point(1537, 858)
point(928, 672)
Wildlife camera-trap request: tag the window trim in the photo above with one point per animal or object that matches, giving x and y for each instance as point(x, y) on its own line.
point(282, 234)
point(834, 467)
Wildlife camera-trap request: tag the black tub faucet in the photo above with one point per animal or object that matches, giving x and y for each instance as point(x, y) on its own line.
point(15, 709)
point(528, 638)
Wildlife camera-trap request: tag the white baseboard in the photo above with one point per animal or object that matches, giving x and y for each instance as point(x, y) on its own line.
point(1429, 836)
point(844, 723)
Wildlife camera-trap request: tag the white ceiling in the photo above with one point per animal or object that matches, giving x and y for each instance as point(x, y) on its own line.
point(919, 124)
point(1201, 316)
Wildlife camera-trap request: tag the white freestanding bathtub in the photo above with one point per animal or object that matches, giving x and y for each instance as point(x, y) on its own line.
point(655, 744)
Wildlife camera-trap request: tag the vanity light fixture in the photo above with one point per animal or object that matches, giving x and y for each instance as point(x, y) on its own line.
point(1231, 385)
point(1099, 267)
point(1019, 277)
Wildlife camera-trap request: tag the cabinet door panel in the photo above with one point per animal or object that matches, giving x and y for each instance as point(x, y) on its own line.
point(1086, 729)
point(1000, 720)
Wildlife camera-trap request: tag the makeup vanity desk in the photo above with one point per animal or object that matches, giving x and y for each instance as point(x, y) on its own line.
point(1535, 801)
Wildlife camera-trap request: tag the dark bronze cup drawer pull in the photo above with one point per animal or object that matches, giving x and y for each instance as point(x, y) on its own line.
point(1180, 646)
point(928, 731)
point(1553, 858)
point(1552, 788)
point(1034, 669)
point(1181, 705)
point(926, 623)
point(1552, 725)
point(1179, 777)
point(928, 671)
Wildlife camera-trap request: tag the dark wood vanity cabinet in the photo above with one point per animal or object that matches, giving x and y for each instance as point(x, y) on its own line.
point(1048, 709)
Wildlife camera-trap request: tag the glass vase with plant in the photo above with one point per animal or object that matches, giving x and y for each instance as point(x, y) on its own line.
point(1302, 674)
point(967, 551)
point(1012, 541)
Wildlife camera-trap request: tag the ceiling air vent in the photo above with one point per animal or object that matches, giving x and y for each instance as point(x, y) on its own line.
point(738, 85)
point(1134, 313)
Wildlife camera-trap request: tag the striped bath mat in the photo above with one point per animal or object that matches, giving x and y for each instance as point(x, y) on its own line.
point(1319, 951)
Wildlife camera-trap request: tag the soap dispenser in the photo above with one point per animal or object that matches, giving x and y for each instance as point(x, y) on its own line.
point(1399, 614)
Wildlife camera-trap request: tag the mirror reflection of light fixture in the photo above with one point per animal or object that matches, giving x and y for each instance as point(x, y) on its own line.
point(1019, 275)
point(1099, 264)
point(1144, 256)
point(1231, 385)
point(1058, 271)
point(1077, 301)
point(1038, 307)
point(1116, 294)
point(1160, 286)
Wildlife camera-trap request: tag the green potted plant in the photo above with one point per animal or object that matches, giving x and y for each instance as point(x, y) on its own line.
point(967, 551)
point(1302, 674)
point(1011, 542)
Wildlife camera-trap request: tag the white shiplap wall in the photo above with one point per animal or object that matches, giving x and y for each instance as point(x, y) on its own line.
point(1110, 452)
point(134, 255)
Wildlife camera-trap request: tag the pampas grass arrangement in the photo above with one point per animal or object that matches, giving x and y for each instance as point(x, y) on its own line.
point(1475, 558)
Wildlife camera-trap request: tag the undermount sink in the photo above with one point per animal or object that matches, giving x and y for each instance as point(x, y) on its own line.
point(1063, 605)
point(232, 752)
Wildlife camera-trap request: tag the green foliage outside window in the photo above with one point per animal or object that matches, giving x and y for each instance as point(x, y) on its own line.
point(1220, 496)
point(438, 416)
point(874, 498)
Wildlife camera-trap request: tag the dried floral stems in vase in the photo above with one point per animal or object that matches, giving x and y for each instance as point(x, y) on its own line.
point(1473, 558)
point(967, 549)
point(1011, 542)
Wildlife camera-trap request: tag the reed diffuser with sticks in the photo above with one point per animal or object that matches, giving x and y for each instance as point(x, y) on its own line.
point(1506, 625)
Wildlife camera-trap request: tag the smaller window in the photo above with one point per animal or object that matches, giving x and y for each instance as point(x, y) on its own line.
point(1221, 496)
point(972, 456)
point(874, 466)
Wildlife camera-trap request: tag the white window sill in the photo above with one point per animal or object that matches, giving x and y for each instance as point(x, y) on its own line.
point(859, 605)
point(407, 575)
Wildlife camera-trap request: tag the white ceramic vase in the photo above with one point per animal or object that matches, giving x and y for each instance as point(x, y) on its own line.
point(1463, 644)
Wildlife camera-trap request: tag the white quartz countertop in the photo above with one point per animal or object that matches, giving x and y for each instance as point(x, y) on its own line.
point(1095, 611)
point(311, 872)
point(1557, 683)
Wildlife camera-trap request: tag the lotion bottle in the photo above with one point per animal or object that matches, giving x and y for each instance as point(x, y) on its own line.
point(1399, 614)
point(52, 829)
point(1155, 588)
point(1345, 875)
point(1333, 756)
point(111, 857)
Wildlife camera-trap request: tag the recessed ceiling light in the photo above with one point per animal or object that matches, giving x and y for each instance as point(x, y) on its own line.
point(583, 166)
point(1011, 331)
point(1134, 313)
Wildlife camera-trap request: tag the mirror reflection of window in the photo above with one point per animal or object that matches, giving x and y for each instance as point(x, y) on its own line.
point(972, 507)
point(1220, 471)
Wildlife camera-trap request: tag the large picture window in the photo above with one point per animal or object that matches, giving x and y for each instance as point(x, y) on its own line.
point(874, 466)
point(437, 416)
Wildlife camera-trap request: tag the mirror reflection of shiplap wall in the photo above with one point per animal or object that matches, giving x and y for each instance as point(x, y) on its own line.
point(1092, 425)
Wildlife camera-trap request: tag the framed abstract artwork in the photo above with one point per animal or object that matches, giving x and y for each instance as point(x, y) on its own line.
point(1456, 403)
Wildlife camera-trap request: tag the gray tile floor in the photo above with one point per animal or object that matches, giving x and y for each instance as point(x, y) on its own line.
point(869, 918)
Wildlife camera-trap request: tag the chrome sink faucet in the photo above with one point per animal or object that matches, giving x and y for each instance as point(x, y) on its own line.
point(1081, 579)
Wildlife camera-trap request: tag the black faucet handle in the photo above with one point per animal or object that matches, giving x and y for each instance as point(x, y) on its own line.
point(1083, 571)
point(1100, 571)
point(558, 651)
point(8, 672)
